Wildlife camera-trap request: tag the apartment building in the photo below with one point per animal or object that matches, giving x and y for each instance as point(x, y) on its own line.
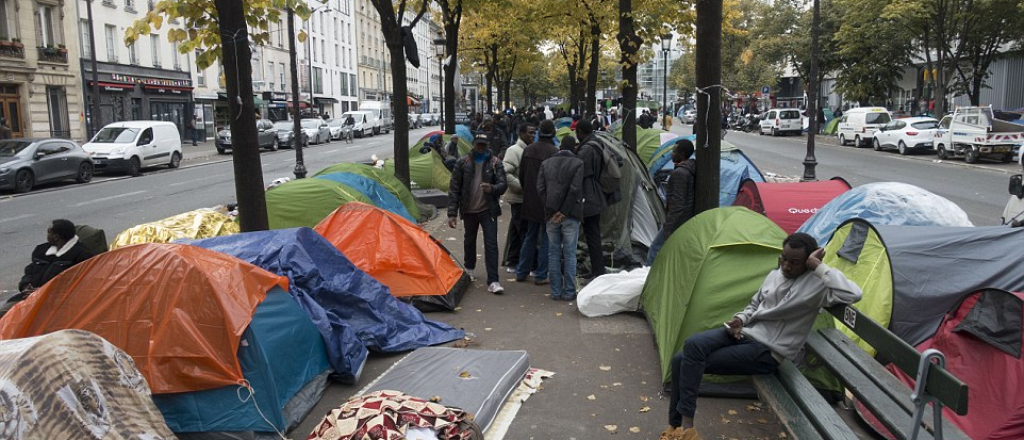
point(39, 87)
point(374, 63)
point(331, 55)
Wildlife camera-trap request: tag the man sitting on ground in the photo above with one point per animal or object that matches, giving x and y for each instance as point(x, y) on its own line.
point(772, 328)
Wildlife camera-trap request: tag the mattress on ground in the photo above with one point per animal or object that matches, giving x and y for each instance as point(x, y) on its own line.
point(477, 381)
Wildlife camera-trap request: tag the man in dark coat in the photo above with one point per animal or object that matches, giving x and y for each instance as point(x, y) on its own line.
point(679, 197)
point(561, 187)
point(593, 198)
point(533, 205)
point(496, 137)
point(61, 251)
point(478, 180)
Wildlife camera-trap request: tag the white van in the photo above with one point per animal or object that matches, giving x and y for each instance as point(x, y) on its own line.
point(380, 115)
point(781, 121)
point(363, 127)
point(859, 125)
point(130, 146)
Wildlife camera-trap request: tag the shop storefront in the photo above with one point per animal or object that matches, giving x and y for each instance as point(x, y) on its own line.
point(277, 106)
point(133, 93)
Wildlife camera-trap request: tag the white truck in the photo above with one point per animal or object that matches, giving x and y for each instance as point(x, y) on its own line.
point(381, 115)
point(973, 132)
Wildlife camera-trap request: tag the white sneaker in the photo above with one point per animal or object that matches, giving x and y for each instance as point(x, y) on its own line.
point(495, 288)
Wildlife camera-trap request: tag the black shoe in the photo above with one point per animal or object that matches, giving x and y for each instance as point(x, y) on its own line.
point(541, 282)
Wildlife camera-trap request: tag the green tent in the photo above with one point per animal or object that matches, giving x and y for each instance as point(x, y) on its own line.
point(426, 169)
point(707, 271)
point(561, 133)
point(648, 141)
point(388, 180)
point(831, 127)
point(304, 202)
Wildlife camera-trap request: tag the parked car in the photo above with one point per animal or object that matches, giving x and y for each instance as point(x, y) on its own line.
point(27, 162)
point(859, 125)
point(689, 116)
point(780, 121)
point(363, 126)
point(285, 131)
point(430, 119)
point(266, 134)
point(907, 135)
point(335, 125)
point(316, 130)
point(130, 146)
point(973, 133)
point(380, 117)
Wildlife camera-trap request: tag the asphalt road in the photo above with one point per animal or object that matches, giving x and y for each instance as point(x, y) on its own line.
point(115, 203)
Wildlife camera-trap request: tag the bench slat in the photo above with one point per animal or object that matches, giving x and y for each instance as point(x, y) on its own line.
point(941, 383)
point(817, 409)
point(882, 378)
point(786, 409)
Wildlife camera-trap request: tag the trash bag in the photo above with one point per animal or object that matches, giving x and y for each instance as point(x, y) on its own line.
point(613, 293)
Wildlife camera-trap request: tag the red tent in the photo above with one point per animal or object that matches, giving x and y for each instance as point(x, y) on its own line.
point(789, 205)
point(981, 339)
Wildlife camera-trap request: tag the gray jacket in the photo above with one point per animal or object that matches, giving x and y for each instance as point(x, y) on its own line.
point(513, 157)
point(783, 311)
point(561, 185)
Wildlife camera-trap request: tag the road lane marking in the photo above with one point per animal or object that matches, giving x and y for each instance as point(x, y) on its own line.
point(17, 217)
point(108, 198)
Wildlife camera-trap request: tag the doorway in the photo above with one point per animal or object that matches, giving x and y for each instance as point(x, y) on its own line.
point(10, 109)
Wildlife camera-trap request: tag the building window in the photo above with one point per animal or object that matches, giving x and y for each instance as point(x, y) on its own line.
point(270, 74)
point(175, 59)
point(133, 58)
point(314, 50)
point(6, 23)
point(111, 34)
point(318, 80)
point(281, 66)
point(129, 5)
point(86, 41)
point(57, 103)
point(280, 33)
point(154, 41)
point(48, 26)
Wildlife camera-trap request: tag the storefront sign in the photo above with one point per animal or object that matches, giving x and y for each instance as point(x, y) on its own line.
point(151, 81)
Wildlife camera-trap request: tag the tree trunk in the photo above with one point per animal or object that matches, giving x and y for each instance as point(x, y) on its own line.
point(249, 192)
point(629, 45)
point(708, 73)
point(490, 90)
point(453, 21)
point(595, 58)
point(399, 104)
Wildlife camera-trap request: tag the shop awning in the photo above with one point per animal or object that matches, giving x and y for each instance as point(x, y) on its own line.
point(412, 101)
point(324, 99)
point(176, 90)
point(302, 104)
point(114, 85)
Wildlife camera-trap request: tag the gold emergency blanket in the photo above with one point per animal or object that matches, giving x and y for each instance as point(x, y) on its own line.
point(72, 384)
point(201, 223)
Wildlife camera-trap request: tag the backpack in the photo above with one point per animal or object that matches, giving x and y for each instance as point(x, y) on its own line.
point(611, 173)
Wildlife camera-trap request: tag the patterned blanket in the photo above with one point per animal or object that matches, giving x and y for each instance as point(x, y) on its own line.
point(386, 415)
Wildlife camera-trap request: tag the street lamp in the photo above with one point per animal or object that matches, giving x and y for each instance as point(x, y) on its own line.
point(810, 162)
point(300, 165)
point(94, 121)
point(666, 46)
point(439, 44)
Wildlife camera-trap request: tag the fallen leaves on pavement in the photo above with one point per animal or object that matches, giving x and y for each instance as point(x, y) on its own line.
point(634, 429)
point(604, 368)
point(645, 409)
point(612, 428)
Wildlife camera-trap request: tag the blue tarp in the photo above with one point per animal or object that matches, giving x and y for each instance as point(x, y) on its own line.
point(735, 166)
point(351, 309)
point(885, 203)
point(373, 190)
point(279, 331)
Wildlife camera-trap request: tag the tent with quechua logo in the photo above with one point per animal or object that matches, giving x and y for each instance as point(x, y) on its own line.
point(789, 204)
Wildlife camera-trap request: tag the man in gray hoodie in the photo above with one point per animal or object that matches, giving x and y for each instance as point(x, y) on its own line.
point(772, 328)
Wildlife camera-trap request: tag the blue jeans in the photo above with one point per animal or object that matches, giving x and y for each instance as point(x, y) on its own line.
point(712, 352)
point(659, 241)
point(562, 240)
point(527, 253)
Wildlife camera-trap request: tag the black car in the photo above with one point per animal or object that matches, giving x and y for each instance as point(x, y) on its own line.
point(27, 162)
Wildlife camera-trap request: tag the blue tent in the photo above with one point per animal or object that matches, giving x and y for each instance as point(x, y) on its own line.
point(284, 392)
point(563, 122)
point(351, 309)
point(373, 190)
point(885, 204)
point(735, 167)
point(464, 133)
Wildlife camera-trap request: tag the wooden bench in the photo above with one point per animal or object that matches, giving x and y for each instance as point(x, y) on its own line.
point(806, 414)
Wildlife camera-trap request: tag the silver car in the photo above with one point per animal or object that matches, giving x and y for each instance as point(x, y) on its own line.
point(316, 130)
point(266, 134)
point(27, 162)
point(285, 131)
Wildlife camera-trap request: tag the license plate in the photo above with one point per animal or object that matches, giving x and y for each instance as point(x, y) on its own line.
point(97, 161)
point(1001, 149)
point(927, 144)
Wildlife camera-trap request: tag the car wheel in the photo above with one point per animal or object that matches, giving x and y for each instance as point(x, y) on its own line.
point(903, 148)
point(84, 173)
point(971, 156)
point(877, 145)
point(941, 152)
point(24, 181)
point(775, 131)
point(221, 150)
point(856, 141)
point(329, 138)
point(842, 140)
point(274, 146)
point(175, 160)
point(134, 166)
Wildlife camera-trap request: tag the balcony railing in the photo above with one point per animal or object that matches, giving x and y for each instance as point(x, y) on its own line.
point(12, 50)
point(51, 55)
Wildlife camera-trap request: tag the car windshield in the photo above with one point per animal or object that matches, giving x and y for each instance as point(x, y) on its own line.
point(789, 114)
point(311, 123)
point(283, 125)
point(925, 125)
point(877, 118)
point(112, 135)
point(10, 148)
point(335, 122)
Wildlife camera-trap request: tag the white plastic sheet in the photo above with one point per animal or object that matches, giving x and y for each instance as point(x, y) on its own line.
point(613, 293)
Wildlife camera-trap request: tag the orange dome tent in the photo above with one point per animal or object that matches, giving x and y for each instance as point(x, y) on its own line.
point(399, 254)
point(192, 303)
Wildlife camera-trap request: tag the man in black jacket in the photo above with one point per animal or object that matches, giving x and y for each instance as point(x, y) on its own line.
point(679, 198)
point(593, 198)
point(478, 180)
point(61, 251)
point(561, 187)
point(533, 206)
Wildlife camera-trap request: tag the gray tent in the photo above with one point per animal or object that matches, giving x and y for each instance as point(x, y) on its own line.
point(912, 275)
